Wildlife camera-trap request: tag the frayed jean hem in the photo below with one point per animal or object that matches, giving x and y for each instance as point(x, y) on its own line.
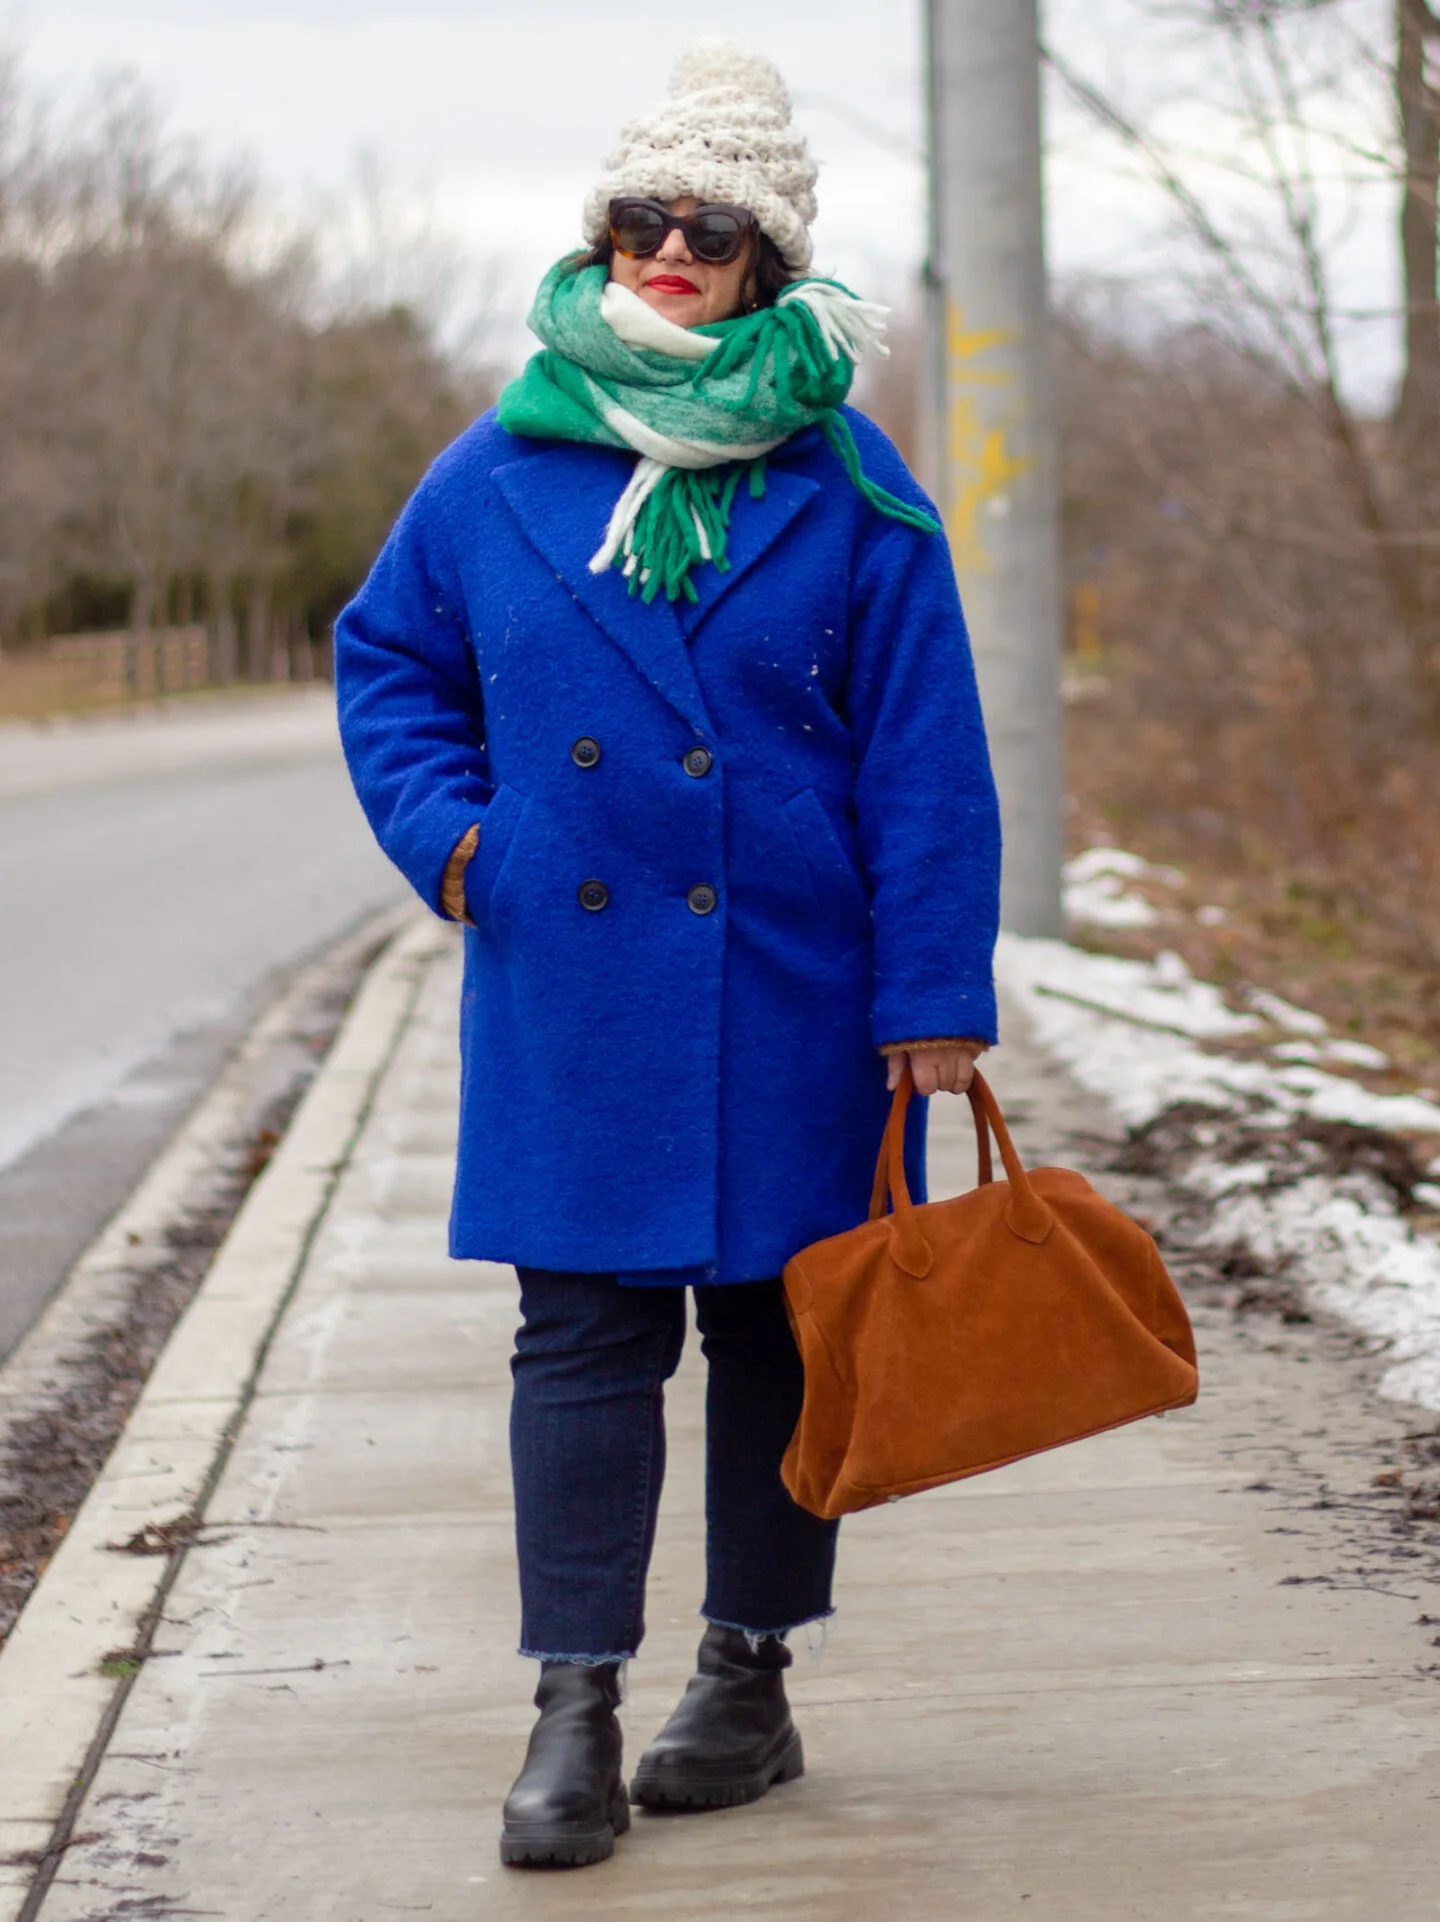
point(754, 1636)
point(578, 1661)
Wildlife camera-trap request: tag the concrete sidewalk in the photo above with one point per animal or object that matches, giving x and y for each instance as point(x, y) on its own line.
point(1087, 1688)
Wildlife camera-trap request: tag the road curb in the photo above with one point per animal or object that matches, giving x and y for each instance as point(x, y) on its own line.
point(97, 1287)
point(57, 1706)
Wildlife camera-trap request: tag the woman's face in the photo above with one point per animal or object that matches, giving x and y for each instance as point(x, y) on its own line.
point(688, 291)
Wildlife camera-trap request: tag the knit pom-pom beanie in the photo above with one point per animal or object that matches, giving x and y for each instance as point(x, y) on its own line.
point(723, 133)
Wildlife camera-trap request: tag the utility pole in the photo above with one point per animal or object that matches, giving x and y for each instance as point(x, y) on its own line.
point(995, 446)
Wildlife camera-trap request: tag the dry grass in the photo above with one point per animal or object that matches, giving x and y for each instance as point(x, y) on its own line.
point(1297, 929)
point(1256, 711)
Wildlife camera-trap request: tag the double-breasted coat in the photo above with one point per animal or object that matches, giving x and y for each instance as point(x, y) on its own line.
point(726, 849)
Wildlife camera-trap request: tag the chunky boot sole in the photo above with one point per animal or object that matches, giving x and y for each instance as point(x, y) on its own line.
point(707, 1787)
point(561, 1845)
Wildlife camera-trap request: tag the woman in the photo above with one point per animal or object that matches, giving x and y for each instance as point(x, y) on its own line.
point(691, 743)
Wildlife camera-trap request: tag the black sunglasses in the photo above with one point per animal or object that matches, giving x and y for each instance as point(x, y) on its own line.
point(713, 233)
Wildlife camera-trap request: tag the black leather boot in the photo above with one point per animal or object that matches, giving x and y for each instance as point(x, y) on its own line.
point(731, 1738)
point(568, 1803)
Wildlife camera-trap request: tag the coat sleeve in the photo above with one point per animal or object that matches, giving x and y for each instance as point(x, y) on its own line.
point(928, 815)
point(412, 716)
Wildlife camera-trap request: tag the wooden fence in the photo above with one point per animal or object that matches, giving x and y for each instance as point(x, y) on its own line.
point(114, 667)
point(77, 671)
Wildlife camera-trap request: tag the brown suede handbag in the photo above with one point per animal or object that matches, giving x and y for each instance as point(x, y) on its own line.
point(944, 1340)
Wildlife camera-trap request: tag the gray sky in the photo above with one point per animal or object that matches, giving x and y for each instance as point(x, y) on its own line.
point(494, 116)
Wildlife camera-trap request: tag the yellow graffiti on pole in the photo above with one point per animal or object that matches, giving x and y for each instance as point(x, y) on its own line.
point(982, 466)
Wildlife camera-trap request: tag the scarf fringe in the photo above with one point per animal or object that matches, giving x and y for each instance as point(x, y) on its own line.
point(849, 326)
point(836, 430)
point(619, 533)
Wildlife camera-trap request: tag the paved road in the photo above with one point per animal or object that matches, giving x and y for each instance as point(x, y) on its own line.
point(159, 874)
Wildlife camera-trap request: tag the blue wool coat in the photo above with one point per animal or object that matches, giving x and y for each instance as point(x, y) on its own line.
point(682, 961)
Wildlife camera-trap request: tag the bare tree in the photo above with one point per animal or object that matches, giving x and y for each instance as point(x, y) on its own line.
point(184, 407)
point(1268, 542)
point(1269, 285)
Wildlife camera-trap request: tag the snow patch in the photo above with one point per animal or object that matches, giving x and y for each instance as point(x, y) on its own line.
point(1095, 891)
point(1128, 1031)
point(1359, 1259)
point(1356, 1054)
point(1145, 1036)
point(1285, 1014)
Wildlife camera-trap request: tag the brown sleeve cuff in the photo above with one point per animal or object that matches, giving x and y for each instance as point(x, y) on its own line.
point(966, 1041)
point(452, 885)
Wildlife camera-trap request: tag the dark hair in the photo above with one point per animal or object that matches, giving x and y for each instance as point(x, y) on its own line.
point(769, 269)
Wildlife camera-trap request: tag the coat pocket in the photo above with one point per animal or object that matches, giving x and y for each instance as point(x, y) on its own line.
point(841, 897)
point(497, 836)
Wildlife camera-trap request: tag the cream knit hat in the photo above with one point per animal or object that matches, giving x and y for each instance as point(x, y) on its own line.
point(724, 133)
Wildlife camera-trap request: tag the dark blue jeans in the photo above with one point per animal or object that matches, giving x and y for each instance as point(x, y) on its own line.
point(587, 1447)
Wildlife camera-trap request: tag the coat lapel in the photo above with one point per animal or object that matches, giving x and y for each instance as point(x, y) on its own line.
point(755, 526)
point(563, 500)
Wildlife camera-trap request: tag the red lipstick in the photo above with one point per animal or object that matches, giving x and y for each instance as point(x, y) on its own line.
point(672, 284)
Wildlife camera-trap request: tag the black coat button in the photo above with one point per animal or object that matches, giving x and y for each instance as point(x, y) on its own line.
point(586, 751)
point(702, 898)
point(594, 895)
point(698, 761)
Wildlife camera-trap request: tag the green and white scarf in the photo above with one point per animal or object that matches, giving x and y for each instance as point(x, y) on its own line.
point(702, 407)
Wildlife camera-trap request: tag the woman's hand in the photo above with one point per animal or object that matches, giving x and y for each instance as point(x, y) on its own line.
point(947, 1065)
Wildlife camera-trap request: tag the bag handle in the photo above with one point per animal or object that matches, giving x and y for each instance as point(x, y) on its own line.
point(985, 1169)
point(1026, 1214)
point(984, 1166)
